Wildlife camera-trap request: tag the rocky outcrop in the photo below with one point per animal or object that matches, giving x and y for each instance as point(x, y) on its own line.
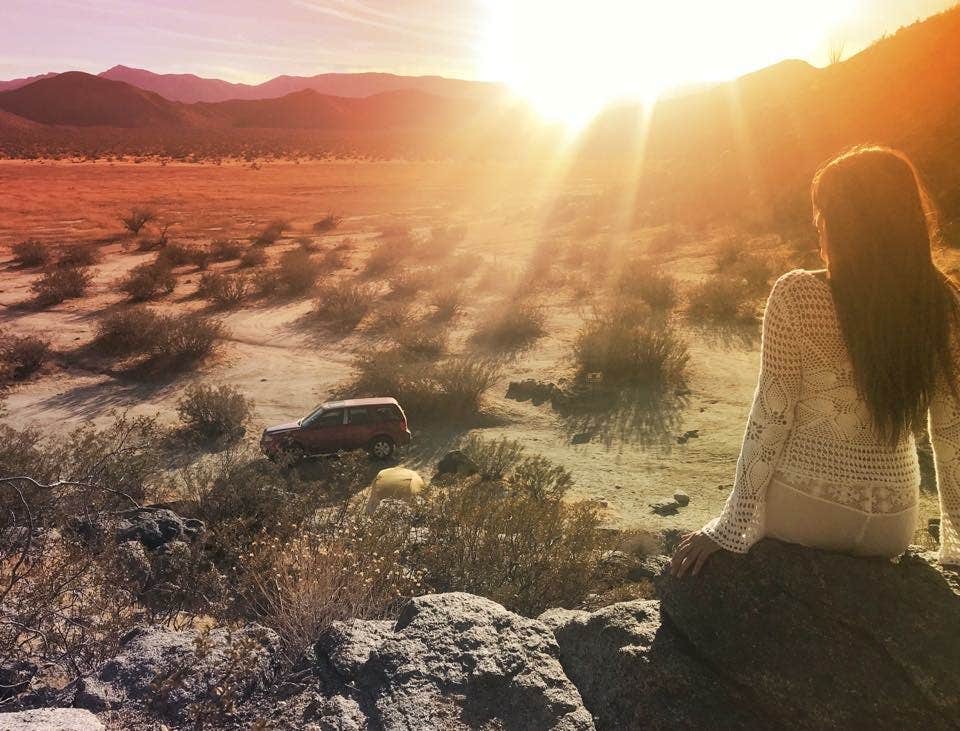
point(450, 661)
point(783, 637)
point(50, 719)
point(153, 526)
point(161, 673)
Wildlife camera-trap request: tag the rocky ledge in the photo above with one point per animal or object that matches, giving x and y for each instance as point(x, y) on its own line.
point(783, 637)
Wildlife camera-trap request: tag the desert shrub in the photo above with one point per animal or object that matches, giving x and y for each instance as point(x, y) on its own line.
point(630, 353)
point(79, 255)
point(429, 391)
point(462, 266)
point(393, 317)
point(271, 233)
point(664, 241)
point(298, 272)
point(512, 325)
point(230, 249)
point(211, 414)
point(494, 458)
point(657, 289)
point(30, 253)
point(342, 307)
point(177, 255)
point(128, 331)
point(327, 223)
point(525, 551)
point(729, 252)
point(722, 299)
point(253, 257)
point(21, 356)
point(354, 569)
point(149, 281)
point(411, 282)
point(447, 303)
point(333, 260)
point(168, 341)
point(755, 272)
point(224, 290)
point(60, 284)
point(136, 219)
point(266, 282)
point(307, 244)
point(420, 342)
point(443, 240)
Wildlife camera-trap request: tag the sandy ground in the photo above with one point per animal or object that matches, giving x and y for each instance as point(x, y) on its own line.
point(634, 460)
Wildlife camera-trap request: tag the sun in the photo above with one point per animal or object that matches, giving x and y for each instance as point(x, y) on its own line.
point(571, 58)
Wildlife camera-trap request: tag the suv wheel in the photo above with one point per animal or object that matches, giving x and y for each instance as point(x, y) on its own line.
point(381, 447)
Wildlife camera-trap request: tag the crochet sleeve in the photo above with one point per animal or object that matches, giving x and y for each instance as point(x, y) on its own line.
point(944, 426)
point(741, 523)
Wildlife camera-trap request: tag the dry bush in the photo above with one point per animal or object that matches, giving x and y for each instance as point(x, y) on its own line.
point(59, 284)
point(447, 303)
point(409, 283)
point(31, 253)
point(271, 233)
point(421, 342)
point(353, 570)
point(494, 458)
point(162, 340)
point(755, 272)
point(224, 290)
point(307, 244)
point(298, 272)
point(504, 542)
point(462, 266)
point(665, 240)
point(136, 219)
point(649, 355)
point(443, 240)
point(429, 391)
point(149, 281)
point(229, 249)
point(393, 317)
point(266, 282)
point(721, 299)
point(214, 414)
point(511, 326)
point(327, 223)
point(641, 280)
point(333, 260)
point(79, 255)
point(505, 460)
point(253, 257)
point(341, 307)
point(177, 255)
point(729, 252)
point(21, 356)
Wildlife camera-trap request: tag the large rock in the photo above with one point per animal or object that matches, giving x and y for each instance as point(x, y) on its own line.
point(164, 672)
point(50, 719)
point(153, 526)
point(820, 640)
point(634, 672)
point(450, 661)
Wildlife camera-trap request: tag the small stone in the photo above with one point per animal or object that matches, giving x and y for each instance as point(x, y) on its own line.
point(665, 507)
point(581, 438)
point(682, 499)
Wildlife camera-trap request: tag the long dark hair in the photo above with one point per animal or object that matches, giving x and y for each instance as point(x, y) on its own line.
point(897, 310)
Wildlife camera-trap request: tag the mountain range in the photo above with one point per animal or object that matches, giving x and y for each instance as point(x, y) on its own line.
point(189, 88)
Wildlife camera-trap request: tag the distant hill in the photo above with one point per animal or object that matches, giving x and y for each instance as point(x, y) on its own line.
point(17, 83)
point(190, 88)
point(82, 100)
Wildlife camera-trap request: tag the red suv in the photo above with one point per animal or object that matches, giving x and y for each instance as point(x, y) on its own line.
point(376, 424)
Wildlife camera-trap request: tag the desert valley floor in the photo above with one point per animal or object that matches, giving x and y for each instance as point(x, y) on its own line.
point(511, 214)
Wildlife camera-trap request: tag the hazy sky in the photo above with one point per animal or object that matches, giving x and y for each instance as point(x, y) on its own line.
point(253, 40)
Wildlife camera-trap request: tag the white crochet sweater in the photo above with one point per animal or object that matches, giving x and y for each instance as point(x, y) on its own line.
point(808, 422)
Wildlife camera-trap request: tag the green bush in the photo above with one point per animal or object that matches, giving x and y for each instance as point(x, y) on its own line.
point(211, 414)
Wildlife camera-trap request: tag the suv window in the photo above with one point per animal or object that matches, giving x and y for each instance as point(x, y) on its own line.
point(388, 413)
point(329, 418)
point(358, 415)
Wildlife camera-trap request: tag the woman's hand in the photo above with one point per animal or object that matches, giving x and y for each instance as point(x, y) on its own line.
point(693, 551)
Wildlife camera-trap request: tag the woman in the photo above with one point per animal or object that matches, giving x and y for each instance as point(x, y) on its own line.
point(855, 360)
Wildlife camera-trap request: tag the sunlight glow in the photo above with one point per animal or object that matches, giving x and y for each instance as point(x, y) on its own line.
point(571, 58)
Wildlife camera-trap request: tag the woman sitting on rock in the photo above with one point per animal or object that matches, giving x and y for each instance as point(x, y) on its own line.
point(856, 360)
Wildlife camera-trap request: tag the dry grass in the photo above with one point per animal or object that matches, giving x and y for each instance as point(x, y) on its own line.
point(511, 326)
point(31, 253)
point(341, 307)
point(59, 284)
point(149, 281)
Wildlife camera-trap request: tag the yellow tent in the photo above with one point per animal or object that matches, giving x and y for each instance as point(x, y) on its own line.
point(394, 483)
